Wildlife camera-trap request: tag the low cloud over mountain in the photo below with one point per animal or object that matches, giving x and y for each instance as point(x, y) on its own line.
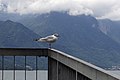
point(98, 8)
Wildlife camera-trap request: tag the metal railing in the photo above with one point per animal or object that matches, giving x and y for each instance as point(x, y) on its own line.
point(23, 53)
point(14, 67)
point(58, 62)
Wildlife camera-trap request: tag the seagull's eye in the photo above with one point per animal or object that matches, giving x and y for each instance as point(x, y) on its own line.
point(56, 35)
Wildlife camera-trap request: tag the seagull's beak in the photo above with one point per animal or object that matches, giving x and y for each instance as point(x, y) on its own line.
point(58, 35)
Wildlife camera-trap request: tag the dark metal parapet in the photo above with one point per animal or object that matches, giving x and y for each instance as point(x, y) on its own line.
point(61, 66)
point(23, 52)
point(90, 71)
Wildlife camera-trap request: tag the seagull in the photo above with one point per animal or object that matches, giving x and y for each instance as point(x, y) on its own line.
point(49, 39)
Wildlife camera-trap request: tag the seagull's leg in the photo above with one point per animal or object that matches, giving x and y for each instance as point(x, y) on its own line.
point(50, 45)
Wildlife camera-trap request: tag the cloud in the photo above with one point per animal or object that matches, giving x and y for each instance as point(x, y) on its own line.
point(98, 8)
point(73, 7)
point(114, 13)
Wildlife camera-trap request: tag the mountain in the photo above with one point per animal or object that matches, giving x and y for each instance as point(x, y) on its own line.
point(110, 28)
point(79, 36)
point(13, 34)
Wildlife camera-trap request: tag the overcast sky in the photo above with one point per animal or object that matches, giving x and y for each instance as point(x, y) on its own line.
point(98, 8)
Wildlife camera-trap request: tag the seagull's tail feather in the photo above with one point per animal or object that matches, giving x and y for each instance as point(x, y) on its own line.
point(40, 40)
point(35, 39)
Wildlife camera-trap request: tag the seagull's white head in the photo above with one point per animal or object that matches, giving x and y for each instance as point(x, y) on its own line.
point(56, 35)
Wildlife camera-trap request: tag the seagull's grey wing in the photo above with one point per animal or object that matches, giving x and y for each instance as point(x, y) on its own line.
point(42, 39)
point(49, 37)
